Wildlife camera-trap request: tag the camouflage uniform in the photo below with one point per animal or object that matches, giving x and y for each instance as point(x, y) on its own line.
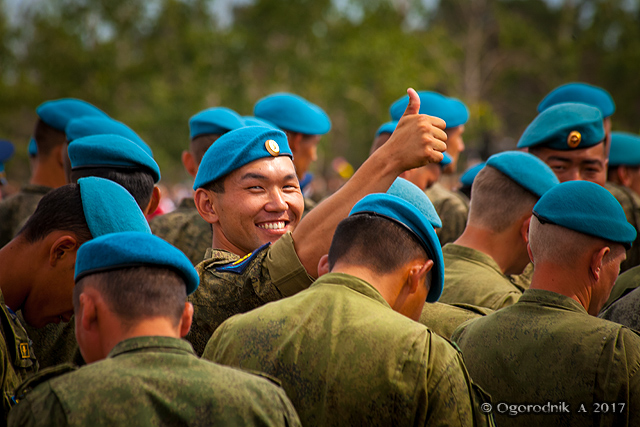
point(546, 348)
point(152, 381)
point(453, 210)
point(626, 283)
point(308, 206)
point(185, 229)
point(230, 285)
point(17, 360)
point(625, 310)
point(346, 358)
point(54, 344)
point(523, 281)
point(15, 210)
point(630, 203)
point(473, 277)
point(443, 319)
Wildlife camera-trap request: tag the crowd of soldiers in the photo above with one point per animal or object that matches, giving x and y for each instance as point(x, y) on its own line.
point(394, 301)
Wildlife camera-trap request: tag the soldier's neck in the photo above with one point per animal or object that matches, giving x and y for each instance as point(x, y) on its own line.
point(15, 282)
point(506, 248)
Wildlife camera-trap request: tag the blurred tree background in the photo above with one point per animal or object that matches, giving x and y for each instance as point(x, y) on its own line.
point(154, 63)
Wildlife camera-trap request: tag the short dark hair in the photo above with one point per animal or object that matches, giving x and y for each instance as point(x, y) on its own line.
point(374, 242)
point(47, 138)
point(137, 293)
point(138, 182)
point(201, 143)
point(216, 186)
point(59, 209)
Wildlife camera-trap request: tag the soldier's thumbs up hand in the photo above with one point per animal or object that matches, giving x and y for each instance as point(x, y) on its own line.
point(418, 139)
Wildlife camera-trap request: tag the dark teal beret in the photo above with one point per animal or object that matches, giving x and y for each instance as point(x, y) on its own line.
point(470, 174)
point(217, 120)
point(526, 170)
point(58, 113)
point(254, 121)
point(109, 208)
point(33, 148)
point(293, 113)
point(240, 147)
point(6, 151)
point(625, 149)
point(580, 93)
point(451, 110)
point(446, 159)
point(411, 193)
point(587, 208)
point(388, 127)
point(111, 151)
point(407, 215)
point(91, 125)
point(568, 126)
point(133, 249)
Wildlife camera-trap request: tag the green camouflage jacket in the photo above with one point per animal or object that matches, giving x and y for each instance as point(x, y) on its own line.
point(15, 210)
point(344, 357)
point(630, 203)
point(17, 361)
point(152, 381)
point(546, 350)
point(453, 210)
point(443, 319)
point(230, 285)
point(54, 344)
point(185, 229)
point(473, 277)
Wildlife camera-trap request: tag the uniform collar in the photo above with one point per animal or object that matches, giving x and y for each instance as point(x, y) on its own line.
point(551, 299)
point(352, 282)
point(137, 344)
point(36, 189)
point(474, 255)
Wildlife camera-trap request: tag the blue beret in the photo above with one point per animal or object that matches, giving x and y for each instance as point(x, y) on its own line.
point(413, 194)
point(580, 93)
point(133, 249)
point(33, 148)
point(111, 151)
point(217, 120)
point(388, 127)
point(293, 113)
point(240, 147)
point(6, 150)
point(404, 213)
point(564, 127)
point(625, 149)
point(254, 121)
point(58, 113)
point(470, 174)
point(446, 159)
point(90, 125)
point(451, 110)
point(109, 208)
point(587, 208)
point(526, 170)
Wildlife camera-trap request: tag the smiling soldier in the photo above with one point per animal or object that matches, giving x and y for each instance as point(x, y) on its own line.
point(247, 189)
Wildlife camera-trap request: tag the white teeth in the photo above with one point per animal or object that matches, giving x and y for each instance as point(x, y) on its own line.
point(272, 225)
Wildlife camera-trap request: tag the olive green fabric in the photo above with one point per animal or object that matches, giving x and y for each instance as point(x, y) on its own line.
point(523, 281)
point(308, 206)
point(15, 210)
point(546, 348)
point(626, 283)
point(626, 310)
point(443, 319)
point(17, 360)
point(271, 273)
point(473, 277)
point(344, 357)
point(453, 210)
point(630, 203)
point(185, 229)
point(153, 381)
point(54, 344)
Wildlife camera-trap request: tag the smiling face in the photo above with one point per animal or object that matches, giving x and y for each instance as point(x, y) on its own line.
point(261, 202)
point(586, 164)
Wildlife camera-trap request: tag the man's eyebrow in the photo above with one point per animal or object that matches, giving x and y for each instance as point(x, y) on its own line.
point(290, 176)
point(558, 158)
point(252, 175)
point(592, 162)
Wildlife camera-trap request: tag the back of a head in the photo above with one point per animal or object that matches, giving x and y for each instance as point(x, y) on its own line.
point(206, 126)
point(293, 113)
point(139, 275)
point(582, 93)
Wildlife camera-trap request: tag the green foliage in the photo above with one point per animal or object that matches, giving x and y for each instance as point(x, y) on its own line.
point(153, 64)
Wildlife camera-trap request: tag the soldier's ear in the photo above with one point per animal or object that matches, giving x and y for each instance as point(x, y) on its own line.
point(524, 229)
point(153, 202)
point(185, 320)
point(323, 265)
point(189, 163)
point(597, 261)
point(205, 204)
